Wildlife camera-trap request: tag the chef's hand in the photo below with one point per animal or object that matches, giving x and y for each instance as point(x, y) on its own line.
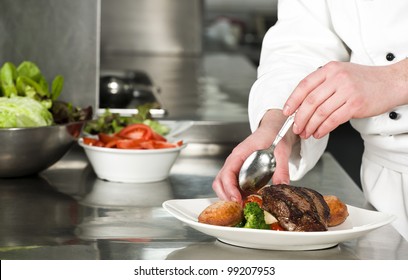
point(340, 91)
point(226, 185)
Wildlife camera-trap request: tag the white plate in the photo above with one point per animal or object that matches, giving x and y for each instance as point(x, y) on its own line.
point(359, 222)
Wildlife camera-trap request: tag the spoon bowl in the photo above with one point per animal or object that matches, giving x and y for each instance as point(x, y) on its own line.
point(257, 170)
point(259, 167)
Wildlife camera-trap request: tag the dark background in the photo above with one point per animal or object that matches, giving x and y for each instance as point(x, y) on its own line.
point(346, 145)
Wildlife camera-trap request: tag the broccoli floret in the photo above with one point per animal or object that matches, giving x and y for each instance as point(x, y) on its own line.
point(254, 216)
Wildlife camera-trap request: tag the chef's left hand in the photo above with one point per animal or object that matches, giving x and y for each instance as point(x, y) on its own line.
point(340, 91)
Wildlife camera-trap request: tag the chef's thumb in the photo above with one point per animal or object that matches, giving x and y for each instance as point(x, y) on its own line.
point(281, 175)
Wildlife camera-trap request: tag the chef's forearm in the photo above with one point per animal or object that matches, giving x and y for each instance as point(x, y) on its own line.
point(399, 71)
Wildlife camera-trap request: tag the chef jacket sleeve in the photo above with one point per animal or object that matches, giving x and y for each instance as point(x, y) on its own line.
point(302, 40)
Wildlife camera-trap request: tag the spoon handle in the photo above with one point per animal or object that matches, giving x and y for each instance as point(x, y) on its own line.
point(288, 123)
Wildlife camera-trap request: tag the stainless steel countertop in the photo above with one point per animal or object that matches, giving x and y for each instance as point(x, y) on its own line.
point(68, 213)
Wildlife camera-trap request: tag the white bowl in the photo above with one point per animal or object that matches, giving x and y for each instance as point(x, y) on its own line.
point(131, 166)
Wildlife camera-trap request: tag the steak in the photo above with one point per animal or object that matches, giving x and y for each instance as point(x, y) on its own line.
point(296, 208)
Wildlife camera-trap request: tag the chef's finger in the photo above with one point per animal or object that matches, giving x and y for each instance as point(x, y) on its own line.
point(338, 117)
point(281, 174)
point(226, 182)
point(322, 113)
point(302, 90)
point(226, 187)
point(312, 102)
point(219, 189)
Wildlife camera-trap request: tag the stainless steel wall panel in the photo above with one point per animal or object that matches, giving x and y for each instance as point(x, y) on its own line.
point(152, 26)
point(61, 36)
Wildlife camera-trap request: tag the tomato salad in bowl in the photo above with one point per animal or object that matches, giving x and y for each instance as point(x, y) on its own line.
point(129, 149)
point(133, 136)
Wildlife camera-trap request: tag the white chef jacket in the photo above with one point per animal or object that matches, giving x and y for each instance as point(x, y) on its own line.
point(310, 33)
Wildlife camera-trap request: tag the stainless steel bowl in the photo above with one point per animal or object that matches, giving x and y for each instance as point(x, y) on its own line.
point(27, 151)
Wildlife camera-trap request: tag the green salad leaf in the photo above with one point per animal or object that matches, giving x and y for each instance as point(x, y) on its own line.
point(19, 111)
point(8, 76)
point(111, 123)
point(27, 80)
point(57, 85)
point(30, 70)
point(27, 100)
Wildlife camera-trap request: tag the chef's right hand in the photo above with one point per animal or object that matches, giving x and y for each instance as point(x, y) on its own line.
point(226, 184)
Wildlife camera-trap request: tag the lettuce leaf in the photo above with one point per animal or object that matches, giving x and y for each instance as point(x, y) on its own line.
point(23, 112)
point(111, 123)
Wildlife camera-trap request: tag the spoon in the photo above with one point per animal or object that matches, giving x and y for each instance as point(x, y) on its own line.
point(259, 167)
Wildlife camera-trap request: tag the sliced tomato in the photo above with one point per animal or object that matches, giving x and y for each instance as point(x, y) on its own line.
point(130, 144)
point(92, 142)
point(148, 145)
point(276, 226)
point(253, 198)
point(113, 143)
point(106, 138)
point(157, 136)
point(136, 131)
point(163, 145)
point(134, 136)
